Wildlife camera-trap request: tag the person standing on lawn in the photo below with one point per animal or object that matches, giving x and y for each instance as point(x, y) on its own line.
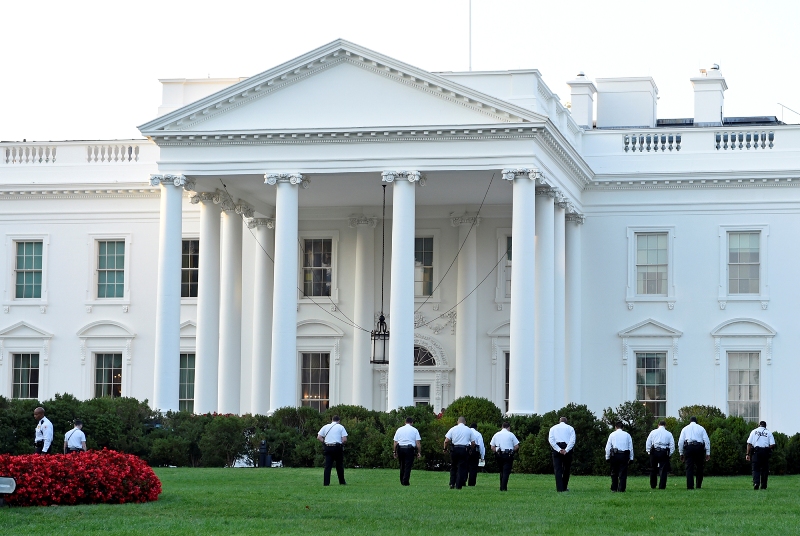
point(462, 439)
point(333, 436)
point(407, 443)
point(619, 451)
point(476, 455)
point(660, 446)
point(562, 441)
point(504, 444)
point(75, 439)
point(44, 432)
point(695, 449)
point(759, 449)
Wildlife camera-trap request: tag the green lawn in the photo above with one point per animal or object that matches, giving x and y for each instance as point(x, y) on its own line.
point(280, 501)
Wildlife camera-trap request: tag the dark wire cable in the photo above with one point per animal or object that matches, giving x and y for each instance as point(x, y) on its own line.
point(460, 248)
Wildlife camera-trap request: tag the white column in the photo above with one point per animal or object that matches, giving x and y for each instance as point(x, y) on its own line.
point(364, 309)
point(206, 363)
point(560, 389)
point(544, 399)
point(166, 372)
point(523, 230)
point(284, 379)
point(401, 301)
point(230, 325)
point(467, 308)
point(573, 305)
point(262, 314)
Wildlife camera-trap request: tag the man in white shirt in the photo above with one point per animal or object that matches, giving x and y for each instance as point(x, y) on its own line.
point(407, 443)
point(44, 432)
point(562, 441)
point(461, 439)
point(759, 449)
point(75, 439)
point(695, 449)
point(478, 453)
point(660, 446)
point(333, 436)
point(504, 444)
point(619, 451)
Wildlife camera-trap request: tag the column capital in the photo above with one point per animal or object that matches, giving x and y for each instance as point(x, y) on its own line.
point(224, 201)
point(355, 221)
point(259, 222)
point(549, 191)
point(509, 174)
point(410, 176)
point(293, 178)
point(175, 180)
point(456, 221)
point(575, 217)
point(244, 209)
point(562, 201)
point(205, 197)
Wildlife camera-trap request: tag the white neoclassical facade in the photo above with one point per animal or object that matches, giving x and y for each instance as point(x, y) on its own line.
point(232, 259)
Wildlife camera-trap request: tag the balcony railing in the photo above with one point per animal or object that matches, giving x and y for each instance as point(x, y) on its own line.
point(70, 153)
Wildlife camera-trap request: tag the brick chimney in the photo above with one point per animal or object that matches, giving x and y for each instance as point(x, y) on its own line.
point(709, 97)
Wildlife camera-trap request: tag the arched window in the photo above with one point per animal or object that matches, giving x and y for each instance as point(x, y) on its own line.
point(423, 357)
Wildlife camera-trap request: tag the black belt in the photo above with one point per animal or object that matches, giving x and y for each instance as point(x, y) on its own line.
point(693, 442)
point(332, 444)
point(406, 447)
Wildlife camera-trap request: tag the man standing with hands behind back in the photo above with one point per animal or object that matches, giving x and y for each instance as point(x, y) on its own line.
point(407, 442)
point(562, 441)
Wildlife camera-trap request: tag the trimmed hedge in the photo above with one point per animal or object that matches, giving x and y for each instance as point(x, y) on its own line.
point(211, 440)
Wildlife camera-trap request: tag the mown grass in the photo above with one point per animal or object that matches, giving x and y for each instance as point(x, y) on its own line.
point(281, 501)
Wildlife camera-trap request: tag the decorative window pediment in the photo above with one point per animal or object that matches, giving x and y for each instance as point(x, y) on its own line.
point(743, 327)
point(503, 330)
point(23, 330)
point(318, 328)
point(649, 328)
point(105, 329)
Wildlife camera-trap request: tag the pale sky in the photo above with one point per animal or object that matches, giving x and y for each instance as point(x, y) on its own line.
point(90, 69)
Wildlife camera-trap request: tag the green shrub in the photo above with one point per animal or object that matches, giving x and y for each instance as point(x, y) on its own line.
point(637, 420)
point(224, 441)
point(474, 409)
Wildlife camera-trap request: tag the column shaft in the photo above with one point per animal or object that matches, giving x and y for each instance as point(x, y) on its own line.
point(207, 341)
point(401, 304)
point(364, 311)
point(467, 310)
point(230, 329)
point(168, 300)
point(523, 289)
point(262, 317)
point(559, 346)
point(573, 308)
point(544, 305)
point(284, 381)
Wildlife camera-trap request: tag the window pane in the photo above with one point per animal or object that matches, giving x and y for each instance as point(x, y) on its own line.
point(651, 379)
point(651, 263)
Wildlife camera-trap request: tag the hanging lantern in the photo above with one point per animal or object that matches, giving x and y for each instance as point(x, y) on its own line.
point(380, 335)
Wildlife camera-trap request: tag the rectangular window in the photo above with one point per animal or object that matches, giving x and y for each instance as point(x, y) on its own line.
point(508, 359)
point(108, 375)
point(315, 380)
point(743, 385)
point(26, 376)
point(111, 269)
point(317, 266)
point(508, 267)
point(29, 270)
point(186, 388)
point(651, 264)
point(190, 258)
point(744, 263)
point(422, 395)
point(651, 381)
point(423, 266)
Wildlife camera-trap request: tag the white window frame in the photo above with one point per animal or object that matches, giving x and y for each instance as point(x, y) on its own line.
point(93, 252)
point(114, 338)
point(436, 234)
point(95, 353)
point(9, 291)
point(500, 289)
point(763, 261)
point(334, 238)
point(631, 296)
point(23, 338)
point(190, 236)
point(11, 367)
point(635, 367)
point(760, 353)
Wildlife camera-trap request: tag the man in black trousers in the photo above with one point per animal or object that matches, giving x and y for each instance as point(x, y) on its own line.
point(562, 441)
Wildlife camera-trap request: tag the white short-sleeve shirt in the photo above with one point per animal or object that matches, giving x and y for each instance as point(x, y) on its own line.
point(460, 435)
point(504, 440)
point(75, 439)
point(332, 433)
point(761, 437)
point(407, 436)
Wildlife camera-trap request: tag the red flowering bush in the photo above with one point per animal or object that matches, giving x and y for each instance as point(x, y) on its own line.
point(96, 476)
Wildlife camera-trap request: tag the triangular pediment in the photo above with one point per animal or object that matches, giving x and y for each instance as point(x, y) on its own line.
point(23, 330)
point(339, 85)
point(650, 328)
point(188, 329)
point(743, 327)
point(105, 329)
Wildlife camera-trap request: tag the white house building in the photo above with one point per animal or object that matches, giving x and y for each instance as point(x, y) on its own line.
point(231, 261)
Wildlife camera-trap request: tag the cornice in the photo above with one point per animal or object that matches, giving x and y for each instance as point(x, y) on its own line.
point(80, 193)
point(559, 148)
point(695, 183)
